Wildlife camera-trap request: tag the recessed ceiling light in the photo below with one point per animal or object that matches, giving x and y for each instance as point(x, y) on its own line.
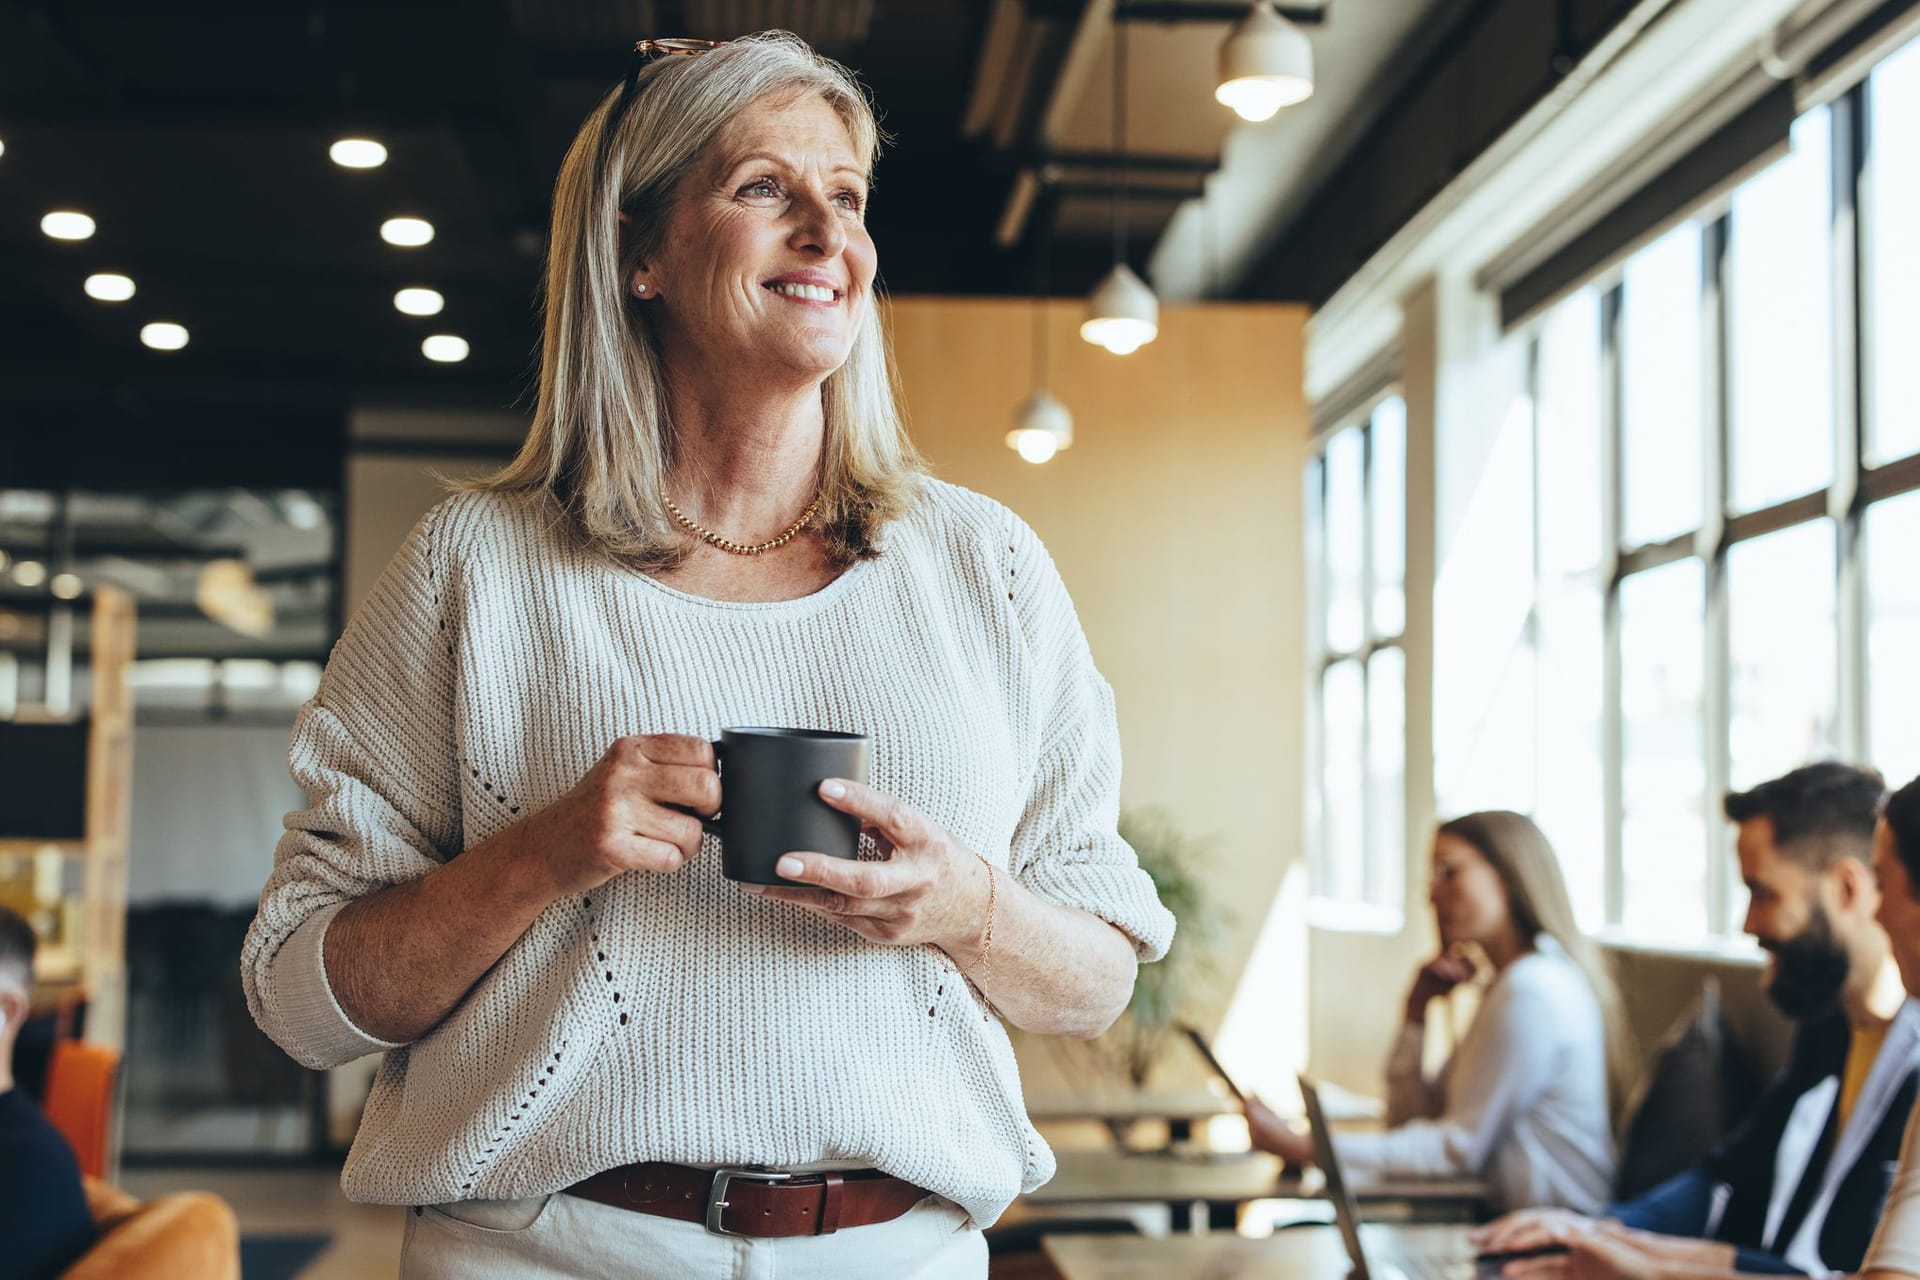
point(65, 224)
point(408, 233)
point(107, 286)
point(164, 335)
point(358, 153)
point(419, 302)
point(446, 348)
point(29, 573)
point(65, 585)
point(3, 148)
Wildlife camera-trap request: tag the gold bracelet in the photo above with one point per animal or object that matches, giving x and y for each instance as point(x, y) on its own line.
point(984, 965)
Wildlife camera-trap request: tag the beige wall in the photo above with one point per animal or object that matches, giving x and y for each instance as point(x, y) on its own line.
point(1175, 520)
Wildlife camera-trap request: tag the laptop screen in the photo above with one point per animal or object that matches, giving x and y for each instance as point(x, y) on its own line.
point(1205, 1051)
point(1345, 1212)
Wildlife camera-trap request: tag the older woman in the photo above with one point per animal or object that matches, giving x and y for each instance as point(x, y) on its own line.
point(601, 1057)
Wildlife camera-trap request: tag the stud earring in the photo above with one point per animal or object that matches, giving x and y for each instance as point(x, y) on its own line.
point(639, 288)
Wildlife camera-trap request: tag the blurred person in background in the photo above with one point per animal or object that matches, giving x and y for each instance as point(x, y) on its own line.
point(1525, 1103)
point(44, 1221)
point(1799, 1186)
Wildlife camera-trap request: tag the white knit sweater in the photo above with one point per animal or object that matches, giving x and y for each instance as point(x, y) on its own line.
point(672, 1017)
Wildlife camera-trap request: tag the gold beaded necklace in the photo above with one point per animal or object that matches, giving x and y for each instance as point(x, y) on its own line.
point(739, 548)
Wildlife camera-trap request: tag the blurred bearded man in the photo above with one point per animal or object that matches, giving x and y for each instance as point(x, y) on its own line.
point(1798, 1187)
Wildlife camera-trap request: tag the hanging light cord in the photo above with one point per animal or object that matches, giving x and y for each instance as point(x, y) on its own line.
point(1039, 306)
point(1120, 136)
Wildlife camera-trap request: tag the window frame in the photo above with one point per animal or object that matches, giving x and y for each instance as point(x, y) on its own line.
point(1856, 487)
point(1380, 906)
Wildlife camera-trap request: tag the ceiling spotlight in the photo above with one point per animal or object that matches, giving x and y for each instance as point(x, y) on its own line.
point(1044, 427)
point(65, 585)
point(445, 348)
point(358, 153)
point(1265, 64)
point(106, 286)
point(164, 335)
point(419, 302)
point(66, 224)
point(408, 233)
point(29, 573)
point(1122, 315)
point(3, 148)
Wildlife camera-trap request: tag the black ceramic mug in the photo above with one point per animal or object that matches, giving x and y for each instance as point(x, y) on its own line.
point(770, 798)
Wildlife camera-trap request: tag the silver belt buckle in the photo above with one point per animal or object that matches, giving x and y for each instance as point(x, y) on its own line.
point(717, 1190)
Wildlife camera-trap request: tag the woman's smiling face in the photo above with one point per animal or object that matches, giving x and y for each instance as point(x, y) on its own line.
point(764, 264)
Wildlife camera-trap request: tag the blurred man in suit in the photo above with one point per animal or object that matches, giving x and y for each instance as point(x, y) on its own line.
point(44, 1222)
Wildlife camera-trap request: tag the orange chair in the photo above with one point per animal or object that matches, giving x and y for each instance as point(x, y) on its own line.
point(188, 1235)
point(81, 1079)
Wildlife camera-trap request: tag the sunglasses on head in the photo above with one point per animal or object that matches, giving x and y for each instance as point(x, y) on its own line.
point(644, 52)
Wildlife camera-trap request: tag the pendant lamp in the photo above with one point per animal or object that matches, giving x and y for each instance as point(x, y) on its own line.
point(1122, 313)
point(1042, 426)
point(1265, 64)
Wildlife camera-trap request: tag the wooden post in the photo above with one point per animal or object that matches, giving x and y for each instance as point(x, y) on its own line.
point(103, 942)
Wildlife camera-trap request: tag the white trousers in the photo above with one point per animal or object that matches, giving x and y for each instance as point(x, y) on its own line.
point(563, 1237)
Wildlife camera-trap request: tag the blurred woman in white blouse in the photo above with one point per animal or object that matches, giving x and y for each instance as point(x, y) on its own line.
point(1525, 1103)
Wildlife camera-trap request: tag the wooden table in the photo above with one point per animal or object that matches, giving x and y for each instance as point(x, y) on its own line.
point(1118, 1108)
point(1303, 1253)
point(1219, 1185)
point(1132, 1104)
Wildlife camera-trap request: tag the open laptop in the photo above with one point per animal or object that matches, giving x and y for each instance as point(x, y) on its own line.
point(1439, 1256)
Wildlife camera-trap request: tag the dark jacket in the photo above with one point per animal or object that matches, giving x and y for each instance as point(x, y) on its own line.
point(44, 1222)
point(1746, 1165)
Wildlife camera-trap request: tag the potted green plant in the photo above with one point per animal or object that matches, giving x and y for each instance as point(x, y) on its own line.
point(1177, 863)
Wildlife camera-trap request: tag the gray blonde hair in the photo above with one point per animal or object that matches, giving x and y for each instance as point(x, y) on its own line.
point(1537, 900)
point(602, 442)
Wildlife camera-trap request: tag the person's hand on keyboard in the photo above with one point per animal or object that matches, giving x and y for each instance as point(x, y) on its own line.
point(1528, 1229)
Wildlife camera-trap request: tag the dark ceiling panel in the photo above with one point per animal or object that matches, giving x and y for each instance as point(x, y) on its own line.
point(1497, 60)
point(197, 137)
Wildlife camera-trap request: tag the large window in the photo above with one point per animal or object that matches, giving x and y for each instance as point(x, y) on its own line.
point(1568, 620)
point(1890, 210)
point(1356, 534)
point(1724, 530)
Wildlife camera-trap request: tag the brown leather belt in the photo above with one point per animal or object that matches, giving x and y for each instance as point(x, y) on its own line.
point(754, 1202)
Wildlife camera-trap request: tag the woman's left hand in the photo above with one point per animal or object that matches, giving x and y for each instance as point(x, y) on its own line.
point(930, 889)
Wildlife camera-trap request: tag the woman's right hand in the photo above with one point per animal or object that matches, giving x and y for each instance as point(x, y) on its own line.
point(1437, 977)
point(637, 809)
point(1268, 1132)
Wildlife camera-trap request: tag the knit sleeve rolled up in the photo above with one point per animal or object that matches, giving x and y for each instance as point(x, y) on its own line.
point(1067, 846)
point(372, 751)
